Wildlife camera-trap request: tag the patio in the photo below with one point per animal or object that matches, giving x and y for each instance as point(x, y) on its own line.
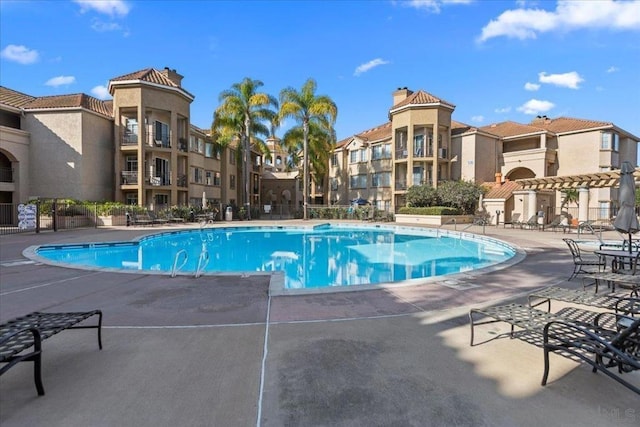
point(219, 351)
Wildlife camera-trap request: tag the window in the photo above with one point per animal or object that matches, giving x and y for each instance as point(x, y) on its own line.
point(418, 145)
point(200, 145)
point(131, 198)
point(161, 133)
point(208, 151)
point(358, 181)
point(131, 131)
point(232, 157)
point(131, 163)
point(606, 141)
point(232, 182)
point(353, 156)
point(217, 179)
point(616, 142)
point(197, 175)
point(334, 184)
point(209, 177)
point(381, 179)
point(334, 160)
point(382, 151)
point(193, 143)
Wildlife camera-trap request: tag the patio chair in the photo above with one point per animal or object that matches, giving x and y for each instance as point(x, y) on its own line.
point(580, 261)
point(559, 221)
point(609, 351)
point(531, 223)
point(515, 220)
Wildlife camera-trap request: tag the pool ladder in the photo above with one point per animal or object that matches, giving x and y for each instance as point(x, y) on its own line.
point(203, 260)
point(181, 253)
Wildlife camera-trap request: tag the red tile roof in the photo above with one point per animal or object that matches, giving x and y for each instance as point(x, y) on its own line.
point(568, 124)
point(377, 133)
point(14, 98)
point(507, 129)
point(502, 191)
point(420, 98)
point(150, 75)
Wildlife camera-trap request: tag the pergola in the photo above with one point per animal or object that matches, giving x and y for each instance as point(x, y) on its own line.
point(591, 180)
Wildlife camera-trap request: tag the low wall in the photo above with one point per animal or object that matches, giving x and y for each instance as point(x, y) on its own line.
point(433, 219)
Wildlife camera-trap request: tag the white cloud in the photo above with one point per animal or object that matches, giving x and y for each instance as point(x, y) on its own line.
point(60, 81)
point(502, 110)
point(535, 106)
point(431, 5)
point(569, 15)
point(102, 27)
point(571, 80)
point(612, 69)
point(363, 68)
point(107, 7)
point(477, 119)
point(100, 92)
point(20, 54)
point(531, 86)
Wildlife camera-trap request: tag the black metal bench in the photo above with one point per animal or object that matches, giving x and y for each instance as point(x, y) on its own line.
point(20, 334)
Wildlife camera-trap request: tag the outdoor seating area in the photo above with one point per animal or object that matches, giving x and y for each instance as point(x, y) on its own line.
point(19, 335)
point(608, 339)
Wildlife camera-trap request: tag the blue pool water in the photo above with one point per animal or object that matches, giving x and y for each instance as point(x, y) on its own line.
point(317, 257)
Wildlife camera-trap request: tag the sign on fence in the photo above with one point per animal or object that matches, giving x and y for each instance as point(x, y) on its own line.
point(27, 216)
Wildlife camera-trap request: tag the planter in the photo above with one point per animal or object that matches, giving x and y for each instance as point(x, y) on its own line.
point(111, 220)
point(436, 220)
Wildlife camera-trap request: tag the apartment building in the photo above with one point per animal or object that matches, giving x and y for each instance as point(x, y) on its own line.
point(422, 144)
point(139, 148)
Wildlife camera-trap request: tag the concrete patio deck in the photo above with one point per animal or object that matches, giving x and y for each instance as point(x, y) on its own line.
point(219, 351)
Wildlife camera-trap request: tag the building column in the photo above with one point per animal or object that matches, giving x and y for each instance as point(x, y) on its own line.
point(583, 203)
point(533, 204)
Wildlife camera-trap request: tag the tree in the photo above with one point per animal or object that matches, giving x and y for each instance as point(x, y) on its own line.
point(241, 115)
point(315, 115)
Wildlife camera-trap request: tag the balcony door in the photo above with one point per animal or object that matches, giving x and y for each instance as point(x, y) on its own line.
point(162, 174)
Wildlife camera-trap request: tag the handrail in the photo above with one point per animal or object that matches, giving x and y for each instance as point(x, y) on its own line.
point(203, 260)
point(452, 220)
point(477, 222)
point(175, 268)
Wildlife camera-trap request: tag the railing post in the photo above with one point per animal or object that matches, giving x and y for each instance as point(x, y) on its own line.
point(54, 213)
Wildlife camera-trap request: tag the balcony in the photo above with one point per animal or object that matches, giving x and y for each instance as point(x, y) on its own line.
point(129, 138)
point(182, 180)
point(402, 153)
point(401, 185)
point(183, 145)
point(129, 177)
point(6, 174)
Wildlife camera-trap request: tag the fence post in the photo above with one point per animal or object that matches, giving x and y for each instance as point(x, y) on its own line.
point(37, 215)
point(54, 213)
point(95, 214)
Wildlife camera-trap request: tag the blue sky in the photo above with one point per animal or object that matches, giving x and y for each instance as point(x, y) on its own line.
point(494, 60)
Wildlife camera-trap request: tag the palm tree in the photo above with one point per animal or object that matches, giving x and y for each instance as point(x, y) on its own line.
point(316, 114)
point(240, 116)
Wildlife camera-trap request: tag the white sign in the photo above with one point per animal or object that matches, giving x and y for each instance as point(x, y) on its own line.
point(27, 216)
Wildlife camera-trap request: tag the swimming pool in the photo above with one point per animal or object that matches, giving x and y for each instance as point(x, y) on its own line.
point(319, 257)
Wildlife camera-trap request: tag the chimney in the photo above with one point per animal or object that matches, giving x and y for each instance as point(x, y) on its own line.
point(498, 179)
point(401, 94)
point(173, 76)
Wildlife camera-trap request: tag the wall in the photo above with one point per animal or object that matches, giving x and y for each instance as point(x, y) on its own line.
point(15, 144)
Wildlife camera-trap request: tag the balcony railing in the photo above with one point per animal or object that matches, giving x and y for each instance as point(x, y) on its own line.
point(182, 180)
point(402, 153)
point(401, 185)
point(129, 177)
point(6, 174)
point(129, 138)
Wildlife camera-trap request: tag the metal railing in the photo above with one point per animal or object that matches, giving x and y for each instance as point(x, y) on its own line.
point(6, 174)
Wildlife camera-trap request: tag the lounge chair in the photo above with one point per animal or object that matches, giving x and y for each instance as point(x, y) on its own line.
point(531, 223)
point(609, 351)
point(515, 220)
point(559, 221)
point(581, 261)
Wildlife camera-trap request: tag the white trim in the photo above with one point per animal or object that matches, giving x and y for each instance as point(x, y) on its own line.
point(412, 106)
point(156, 85)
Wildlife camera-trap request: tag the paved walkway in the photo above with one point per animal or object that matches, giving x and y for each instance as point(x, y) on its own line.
point(219, 351)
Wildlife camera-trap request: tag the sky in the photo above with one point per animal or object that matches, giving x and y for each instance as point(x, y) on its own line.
point(494, 60)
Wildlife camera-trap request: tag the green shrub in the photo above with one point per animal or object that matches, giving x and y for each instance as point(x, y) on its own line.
point(431, 210)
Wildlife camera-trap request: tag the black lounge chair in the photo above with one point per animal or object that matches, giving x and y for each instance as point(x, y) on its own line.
point(581, 261)
point(609, 351)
